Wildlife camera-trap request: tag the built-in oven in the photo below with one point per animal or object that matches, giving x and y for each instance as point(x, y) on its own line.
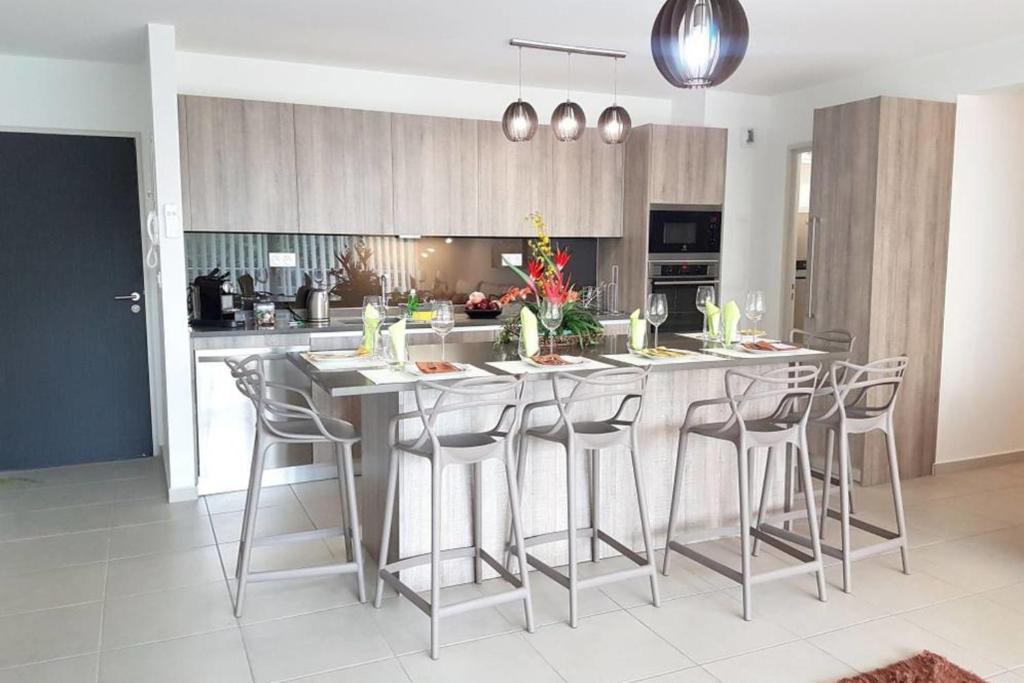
point(678, 280)
point(696, 233)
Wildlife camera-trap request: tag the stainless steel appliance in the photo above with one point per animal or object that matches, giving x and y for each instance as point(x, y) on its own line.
point(697, 233)
point(318, 306)
point(678, 280)
point(212, 301)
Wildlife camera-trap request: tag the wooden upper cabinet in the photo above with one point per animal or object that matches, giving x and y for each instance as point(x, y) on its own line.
point(345, 178)
point(688, 165)
point(241, 165)
point(514, 180)
point(586, 187)
point(435, 175)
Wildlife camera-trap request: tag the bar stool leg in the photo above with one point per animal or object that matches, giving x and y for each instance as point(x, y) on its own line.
point(812, 517)
point(677, 487)
point(346, 522)
point(435, 558)
point(787, 505)
point(762, 507)
point(478, 524)
point(645, 521)
point(255, 481)
point(743, 458)
point(897, 496)
point(595, 503)
point(353, 515)
point(844, 507)
point(826, 481)
point(249, 523)
point(570, 475)
point(520, 483)
point(385, 536)
point(517, 535)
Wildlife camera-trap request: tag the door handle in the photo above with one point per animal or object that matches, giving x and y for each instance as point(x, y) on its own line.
point(812, 248)
point(134, 296)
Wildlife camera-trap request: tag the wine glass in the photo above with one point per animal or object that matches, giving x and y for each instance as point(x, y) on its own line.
point(442, 320)
point(705, 296)
point(372, 303)
point(755, 310)
point(551, 319)
point(656, 312)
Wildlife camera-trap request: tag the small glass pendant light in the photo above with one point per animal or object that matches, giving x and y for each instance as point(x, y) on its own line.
point(519, 122)
point(614, 124)
point(568, 120)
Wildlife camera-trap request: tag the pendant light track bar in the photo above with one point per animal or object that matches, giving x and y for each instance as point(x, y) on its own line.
point(570, 49)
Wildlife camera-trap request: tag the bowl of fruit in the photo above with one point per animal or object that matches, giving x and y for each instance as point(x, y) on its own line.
point(479, 305)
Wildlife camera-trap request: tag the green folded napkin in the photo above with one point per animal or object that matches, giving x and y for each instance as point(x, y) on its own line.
point(371, 321)
point(397, 334)
point(730, 322)
point(713, 314)
point(637, 330)
point(528, 332)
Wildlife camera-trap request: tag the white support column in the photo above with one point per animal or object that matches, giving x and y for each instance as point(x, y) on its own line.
point(180, 451)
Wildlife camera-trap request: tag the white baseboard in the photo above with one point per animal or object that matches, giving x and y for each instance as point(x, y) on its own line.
point(978, 462)
point(182, 493)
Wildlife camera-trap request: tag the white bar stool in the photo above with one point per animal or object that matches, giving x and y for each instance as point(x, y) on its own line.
point(280, 422)
point(502, 395)
point(628, 386)
point(794, 388)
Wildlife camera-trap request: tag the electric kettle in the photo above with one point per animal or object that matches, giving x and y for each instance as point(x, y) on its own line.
point(318, 306)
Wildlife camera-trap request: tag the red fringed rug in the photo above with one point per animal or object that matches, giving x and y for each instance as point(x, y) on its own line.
point(926, 667)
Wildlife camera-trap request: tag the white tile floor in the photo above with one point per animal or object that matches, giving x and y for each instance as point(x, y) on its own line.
point(102, 581)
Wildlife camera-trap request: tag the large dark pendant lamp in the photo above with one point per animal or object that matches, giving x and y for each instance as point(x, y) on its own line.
point(699, 43)
point(519, 122)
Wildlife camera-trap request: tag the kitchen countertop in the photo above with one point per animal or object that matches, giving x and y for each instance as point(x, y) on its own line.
point(350, 324)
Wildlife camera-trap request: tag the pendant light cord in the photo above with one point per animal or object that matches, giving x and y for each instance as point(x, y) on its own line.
point(615, 81)
point(568, 74)
point(520, 74)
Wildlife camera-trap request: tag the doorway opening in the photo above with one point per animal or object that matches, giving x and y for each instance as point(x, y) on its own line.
point(798, 200)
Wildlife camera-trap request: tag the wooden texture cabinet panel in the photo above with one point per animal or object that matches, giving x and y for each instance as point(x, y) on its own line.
point(880, 197)
point(435, 175)
point(241, 165)
point(514, 180)
point(687, 165)
point(345, 181)
point(586, 188)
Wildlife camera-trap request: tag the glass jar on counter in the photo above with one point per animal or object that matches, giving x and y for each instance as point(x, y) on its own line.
point(264, 314)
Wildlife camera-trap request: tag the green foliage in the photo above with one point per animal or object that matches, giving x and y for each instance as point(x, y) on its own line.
point(577, 322)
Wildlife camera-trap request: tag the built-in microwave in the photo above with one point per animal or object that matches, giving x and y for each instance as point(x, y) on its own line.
point(691, 232)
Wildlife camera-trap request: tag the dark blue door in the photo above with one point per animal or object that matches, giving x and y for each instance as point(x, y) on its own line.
point(74, 383)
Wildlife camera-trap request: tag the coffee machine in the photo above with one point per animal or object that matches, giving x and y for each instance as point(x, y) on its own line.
point(212, 301)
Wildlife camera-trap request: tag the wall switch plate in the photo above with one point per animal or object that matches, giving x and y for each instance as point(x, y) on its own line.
point(512, 259)
point(281, 259)
point(172, 221)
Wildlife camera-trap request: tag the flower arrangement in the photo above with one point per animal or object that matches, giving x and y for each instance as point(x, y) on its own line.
point(546, 279)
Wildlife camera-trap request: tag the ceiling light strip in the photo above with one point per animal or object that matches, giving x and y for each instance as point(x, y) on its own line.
point(571, 49)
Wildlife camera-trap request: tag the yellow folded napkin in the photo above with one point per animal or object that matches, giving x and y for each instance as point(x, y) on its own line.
point(637, 331)
point(371, 321)
point(397, 334)
point(713, 314)
point(730, 321)
point(528, 332)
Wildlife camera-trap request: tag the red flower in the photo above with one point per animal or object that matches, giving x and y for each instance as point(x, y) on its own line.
point(536, 269)
point(561, 259)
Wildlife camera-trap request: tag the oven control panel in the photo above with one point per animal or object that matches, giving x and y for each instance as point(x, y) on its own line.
point(684, 270)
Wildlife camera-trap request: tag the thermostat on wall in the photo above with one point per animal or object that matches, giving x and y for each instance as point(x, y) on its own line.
point(281, 259)
point(512, 259)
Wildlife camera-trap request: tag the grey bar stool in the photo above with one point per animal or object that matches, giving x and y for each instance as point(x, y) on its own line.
point(280, 422)
point(863, 400)
point(792, 387)
point(469, 399)
point(572, 393)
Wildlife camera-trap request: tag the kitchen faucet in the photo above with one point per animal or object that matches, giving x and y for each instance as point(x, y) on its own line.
point(385, 288)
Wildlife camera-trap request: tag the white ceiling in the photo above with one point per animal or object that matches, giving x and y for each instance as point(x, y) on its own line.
point(793, 44)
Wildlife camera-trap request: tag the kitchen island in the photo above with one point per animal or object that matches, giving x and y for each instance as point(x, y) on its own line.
point(710, 497)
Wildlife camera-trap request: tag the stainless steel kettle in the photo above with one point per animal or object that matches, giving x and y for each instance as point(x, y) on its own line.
point(318, 306)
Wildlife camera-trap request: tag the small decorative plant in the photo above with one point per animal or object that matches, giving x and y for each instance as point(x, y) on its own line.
point(546, 279)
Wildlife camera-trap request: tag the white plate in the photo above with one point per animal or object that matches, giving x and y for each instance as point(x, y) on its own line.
point(411, 368)
point(765, 352)
point(334, 356)
point(569, 360)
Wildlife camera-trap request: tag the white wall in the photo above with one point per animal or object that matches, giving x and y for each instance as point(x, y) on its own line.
point(261, 79)
point(980, 402)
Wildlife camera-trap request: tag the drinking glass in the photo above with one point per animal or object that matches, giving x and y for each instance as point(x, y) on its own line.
point(373, 302)
point(390, 353)
point(656, 312)
point(705, 296)
point(551, 319)
point(442, 320)
point(755, 310)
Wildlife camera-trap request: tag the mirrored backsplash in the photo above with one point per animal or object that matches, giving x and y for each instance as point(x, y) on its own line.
point(352, 265)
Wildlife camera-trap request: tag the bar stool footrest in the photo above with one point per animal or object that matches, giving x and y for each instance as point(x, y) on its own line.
point(298, 537)
point(865, 526)
point(304, 572)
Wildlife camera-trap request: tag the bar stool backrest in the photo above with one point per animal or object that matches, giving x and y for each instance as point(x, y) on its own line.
point(869, 389)
point(250, 379)
point(629, 385)
point(476, 395)
point(826, 340)
point(755, 396)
